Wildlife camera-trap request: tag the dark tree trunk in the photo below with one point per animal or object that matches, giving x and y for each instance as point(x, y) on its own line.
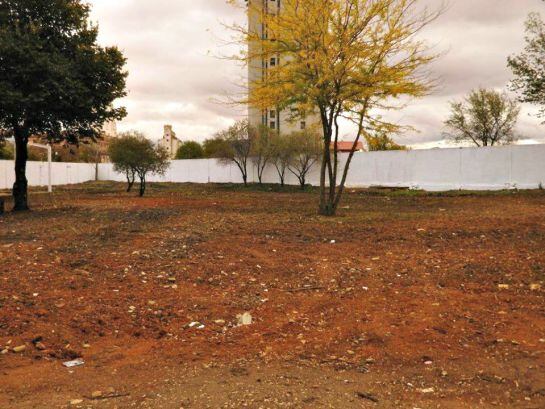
point(20, 187)
point(130, 181)
point(142, 186)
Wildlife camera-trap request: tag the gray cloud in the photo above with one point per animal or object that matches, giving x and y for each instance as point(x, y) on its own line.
point(175, 76)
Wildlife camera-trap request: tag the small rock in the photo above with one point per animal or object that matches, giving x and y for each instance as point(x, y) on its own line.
point(245, 319)
point(75, 402)
point(427, 390)
point(195, 324)
point(20, 348)
point(535, 287)
point(96, 394)
point(4, 351)
point(503, 286)
point(219, 322)
point(40, 346)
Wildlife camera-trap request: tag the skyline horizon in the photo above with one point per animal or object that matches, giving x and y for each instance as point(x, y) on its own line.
point(172, 52)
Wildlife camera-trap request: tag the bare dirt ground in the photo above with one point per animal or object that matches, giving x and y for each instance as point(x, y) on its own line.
point(405, 300)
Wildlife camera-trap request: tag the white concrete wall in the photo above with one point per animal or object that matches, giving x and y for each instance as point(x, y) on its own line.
point(434, 170)
point(62, 173)
point(495, 168)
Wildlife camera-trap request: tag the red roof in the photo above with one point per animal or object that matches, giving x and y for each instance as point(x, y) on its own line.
point(346, 146)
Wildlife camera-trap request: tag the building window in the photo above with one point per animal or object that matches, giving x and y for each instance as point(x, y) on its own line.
point(303, 125)
point(273, 125)
point(273, 113)
point(273, 62)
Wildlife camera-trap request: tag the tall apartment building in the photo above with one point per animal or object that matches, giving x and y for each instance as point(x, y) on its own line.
point(258, 68)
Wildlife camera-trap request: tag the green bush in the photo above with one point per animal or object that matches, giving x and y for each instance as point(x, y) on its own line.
point(190, 150)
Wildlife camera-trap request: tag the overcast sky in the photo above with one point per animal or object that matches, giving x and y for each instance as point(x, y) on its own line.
point(176, 76)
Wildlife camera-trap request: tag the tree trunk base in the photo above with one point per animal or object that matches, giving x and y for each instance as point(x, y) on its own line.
point(327, 210)
point(20, 198)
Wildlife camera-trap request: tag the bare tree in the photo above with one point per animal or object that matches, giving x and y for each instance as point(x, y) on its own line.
point(237, 146)
point(262, 150)
point(281, 155)
point(485, 118)
point(307, 148)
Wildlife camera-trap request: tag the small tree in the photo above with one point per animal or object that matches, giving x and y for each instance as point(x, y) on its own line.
point(380, 141)
point(214, 148)
point(151, 160)
point(528, 66)
point(306, 148)
point(124, 154)
point(56, 81)
point(6, 151)
point(485, 118)
point(281, 155)
point(190, 150)
point(237, 146)
point(262, 151)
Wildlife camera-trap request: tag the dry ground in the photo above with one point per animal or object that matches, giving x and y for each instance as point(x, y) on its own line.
point(405, 300)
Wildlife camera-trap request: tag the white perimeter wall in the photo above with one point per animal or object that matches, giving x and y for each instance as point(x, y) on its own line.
point(495, 168)
point(62, 173)
point(492, 168)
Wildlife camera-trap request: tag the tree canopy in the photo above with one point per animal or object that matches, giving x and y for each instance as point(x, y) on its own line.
point(190, 150)
point(134, 155)
point(528, 66)
point(237, 146)
point(337, 59)
point(380, 141)
point(55, 80)
point(484, 118)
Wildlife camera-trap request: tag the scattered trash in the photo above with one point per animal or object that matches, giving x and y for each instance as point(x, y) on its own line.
point(332, 241)
point(75, 402)
point(74, 363)
point(503, 286)
point(20, 348)
point(245, 319)
point(427, 390)
point(195, 324)
point(535, 287)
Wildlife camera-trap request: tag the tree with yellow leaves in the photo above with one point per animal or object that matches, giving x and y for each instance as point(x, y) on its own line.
point(338, 59)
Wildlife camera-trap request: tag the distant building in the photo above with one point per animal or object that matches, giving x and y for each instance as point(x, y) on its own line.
point(346, 146)
point(169, 141)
